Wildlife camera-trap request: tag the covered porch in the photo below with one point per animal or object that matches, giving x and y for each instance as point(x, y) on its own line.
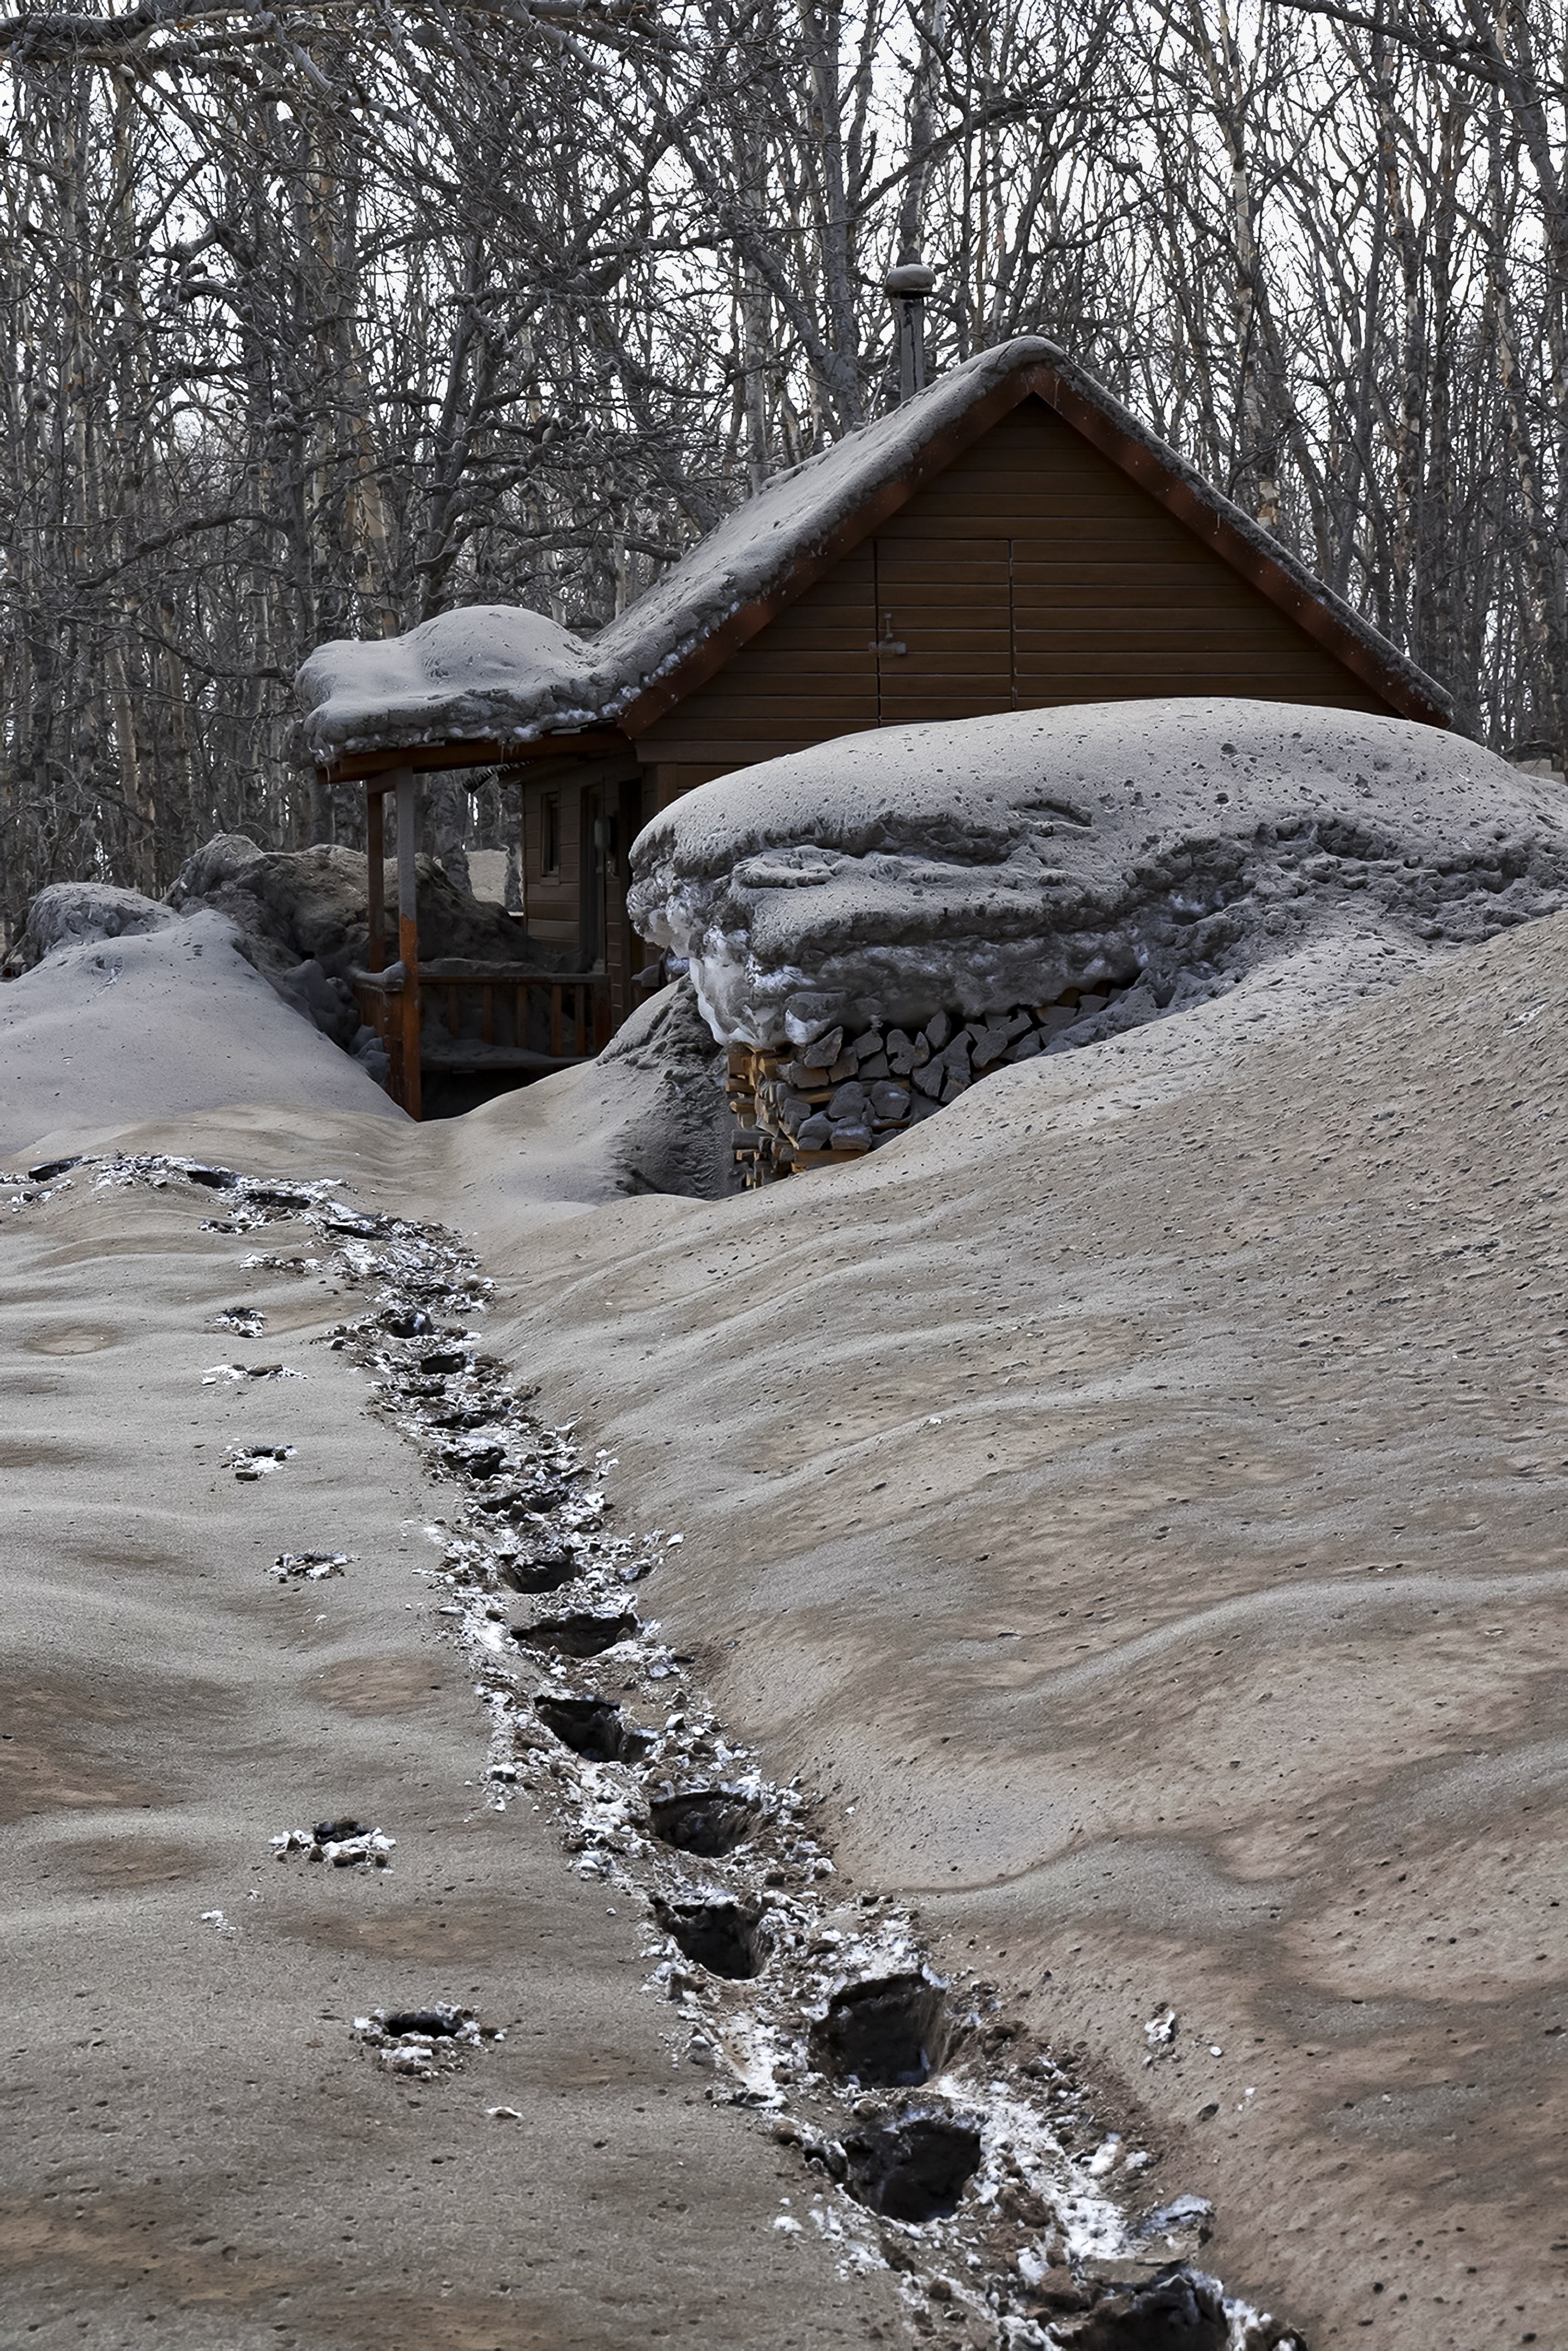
point(500, 1024)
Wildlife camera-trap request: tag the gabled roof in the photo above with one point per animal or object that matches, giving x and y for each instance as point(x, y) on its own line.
point(494, 679)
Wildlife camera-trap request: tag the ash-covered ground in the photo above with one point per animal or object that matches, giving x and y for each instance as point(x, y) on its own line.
point(116, 1005)
point(956, 2139)
point(1130, 1505)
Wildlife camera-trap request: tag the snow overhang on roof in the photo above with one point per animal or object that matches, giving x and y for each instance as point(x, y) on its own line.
point(501, 676)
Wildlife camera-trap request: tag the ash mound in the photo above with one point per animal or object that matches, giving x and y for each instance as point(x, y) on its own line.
point(303, 918)
point(680, 1139)
point(159, 1021)
point(1168, 849)
point(648, 1115)
point(76, 914)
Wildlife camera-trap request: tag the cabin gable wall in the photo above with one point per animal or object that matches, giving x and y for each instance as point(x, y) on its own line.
point(811, 673)
point(1031, 573)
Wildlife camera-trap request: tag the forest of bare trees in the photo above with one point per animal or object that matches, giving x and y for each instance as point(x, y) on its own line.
point(320, 319)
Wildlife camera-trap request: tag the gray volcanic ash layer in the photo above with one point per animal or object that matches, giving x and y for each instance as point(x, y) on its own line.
point(121, 1006)
point(995, 862)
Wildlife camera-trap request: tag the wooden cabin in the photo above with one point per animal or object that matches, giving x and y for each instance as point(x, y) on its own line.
point(1010, 538)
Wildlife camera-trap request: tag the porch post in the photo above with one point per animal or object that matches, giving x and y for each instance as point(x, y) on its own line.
point(375, 875)
point(402, 779)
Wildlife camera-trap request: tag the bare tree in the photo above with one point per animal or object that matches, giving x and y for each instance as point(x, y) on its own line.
point(321, 325)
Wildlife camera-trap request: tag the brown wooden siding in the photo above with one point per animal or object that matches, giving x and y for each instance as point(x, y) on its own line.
point(1108, 597)
point(809, 674)
point(1031, 573)
point(945, 641)
point(667, 782)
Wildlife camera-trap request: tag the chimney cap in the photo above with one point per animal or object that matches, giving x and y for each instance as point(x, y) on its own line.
point(910, 277)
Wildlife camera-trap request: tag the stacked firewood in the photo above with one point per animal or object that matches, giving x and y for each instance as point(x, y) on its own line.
point(817, 1104)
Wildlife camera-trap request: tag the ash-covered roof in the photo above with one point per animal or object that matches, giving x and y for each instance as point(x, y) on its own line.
point(496, 673)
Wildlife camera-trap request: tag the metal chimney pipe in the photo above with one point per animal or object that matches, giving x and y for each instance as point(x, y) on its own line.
point(908, 286)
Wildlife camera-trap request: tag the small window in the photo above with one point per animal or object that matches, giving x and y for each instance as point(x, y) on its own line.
point(550, 834)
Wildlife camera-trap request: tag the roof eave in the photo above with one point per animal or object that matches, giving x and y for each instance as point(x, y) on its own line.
point(713, 650)
point(365, 766)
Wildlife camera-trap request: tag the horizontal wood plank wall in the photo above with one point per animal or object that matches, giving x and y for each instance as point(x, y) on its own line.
point(1106, 597)
point(945, 601)
point(809, 674)
point(671, 777)
point(1031, 573)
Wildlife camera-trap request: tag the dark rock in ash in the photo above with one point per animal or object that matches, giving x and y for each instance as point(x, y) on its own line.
point(728, 1938)
point(710, 1822)
point(440, 2023)
point(1181, 2312)
point(592, 1727)
point(915, 2166)
point(538, 1575)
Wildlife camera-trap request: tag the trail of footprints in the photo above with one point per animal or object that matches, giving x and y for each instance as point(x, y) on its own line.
point(934, 2140)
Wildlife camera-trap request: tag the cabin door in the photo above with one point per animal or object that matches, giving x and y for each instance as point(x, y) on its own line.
point(944, 637)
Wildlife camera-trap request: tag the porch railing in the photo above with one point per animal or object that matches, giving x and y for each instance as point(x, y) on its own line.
point(475, 1018)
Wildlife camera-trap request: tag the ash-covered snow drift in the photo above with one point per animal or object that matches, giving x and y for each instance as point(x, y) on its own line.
point(995, 862)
